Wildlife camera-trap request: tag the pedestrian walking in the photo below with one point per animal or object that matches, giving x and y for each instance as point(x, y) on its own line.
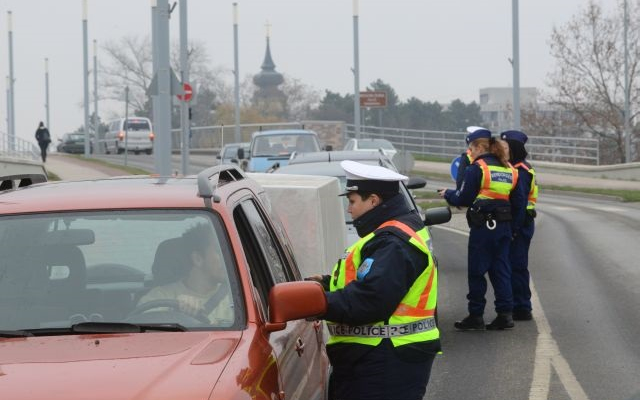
point(523, 224)
point(381, 296)
point(44, 139)
point(487, 190)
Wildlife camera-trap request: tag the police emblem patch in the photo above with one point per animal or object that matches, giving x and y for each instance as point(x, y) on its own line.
point(364, 268)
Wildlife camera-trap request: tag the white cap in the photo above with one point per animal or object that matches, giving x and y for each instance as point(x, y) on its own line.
point(370, 178)
point(471, 129)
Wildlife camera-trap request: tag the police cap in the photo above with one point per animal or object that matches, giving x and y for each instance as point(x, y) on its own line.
point(476, 132)
point(514, 135)
point(370, 178)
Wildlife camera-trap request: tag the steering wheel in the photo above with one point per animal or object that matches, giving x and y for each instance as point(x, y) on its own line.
point(173, 305)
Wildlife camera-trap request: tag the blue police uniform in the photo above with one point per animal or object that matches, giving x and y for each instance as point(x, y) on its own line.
point(523, 225)
point(383, 371)
point(488, 248)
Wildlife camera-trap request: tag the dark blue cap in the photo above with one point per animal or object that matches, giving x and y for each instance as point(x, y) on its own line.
point(514, 135)
point(480, 133)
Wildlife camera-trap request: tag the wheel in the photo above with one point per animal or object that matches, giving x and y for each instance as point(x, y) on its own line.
point(173, 305)
point(149, 151)
point(106, 149)
point(136, 152)
point(119, 149)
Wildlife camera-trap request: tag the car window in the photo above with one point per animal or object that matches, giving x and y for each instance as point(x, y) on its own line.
point(64, 268)
point(137, 125)
point(285, 144)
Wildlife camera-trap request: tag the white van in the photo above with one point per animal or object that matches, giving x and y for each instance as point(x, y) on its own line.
point(134, 132)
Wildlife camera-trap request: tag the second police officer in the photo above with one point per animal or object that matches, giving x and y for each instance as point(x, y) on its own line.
point(381, 296)
point(523, 225)
point(488, 190)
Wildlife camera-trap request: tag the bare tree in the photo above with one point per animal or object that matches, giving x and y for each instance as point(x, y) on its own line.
point(589, 76)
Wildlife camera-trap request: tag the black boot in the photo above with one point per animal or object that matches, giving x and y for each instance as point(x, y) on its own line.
point(502, 321)
point(522, 315)
point(470, 323)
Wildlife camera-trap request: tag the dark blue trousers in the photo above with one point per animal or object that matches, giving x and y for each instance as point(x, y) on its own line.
point(488, 252)
point(519, 259)
point(380, 375)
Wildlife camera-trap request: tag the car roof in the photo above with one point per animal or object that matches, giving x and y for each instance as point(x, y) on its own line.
point(284, 132)
point(126, 192)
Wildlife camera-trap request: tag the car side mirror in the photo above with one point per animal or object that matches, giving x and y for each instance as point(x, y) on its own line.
point(437, 215)
point(328, 147)
point(289, 301)
point(416, 182)
point(240, 154)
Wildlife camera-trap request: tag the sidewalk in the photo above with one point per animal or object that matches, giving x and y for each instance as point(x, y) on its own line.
point(70, 168)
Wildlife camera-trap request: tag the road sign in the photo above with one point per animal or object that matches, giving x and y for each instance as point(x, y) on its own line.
point(454, 167)
point(373, 99)
point(188, 93)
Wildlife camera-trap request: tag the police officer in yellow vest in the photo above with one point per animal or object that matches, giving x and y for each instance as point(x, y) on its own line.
point(487, 190)
point(465, 158)
point(381, 295)
point(523, 225)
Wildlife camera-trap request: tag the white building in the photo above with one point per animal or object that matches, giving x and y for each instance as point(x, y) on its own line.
point(496, 106)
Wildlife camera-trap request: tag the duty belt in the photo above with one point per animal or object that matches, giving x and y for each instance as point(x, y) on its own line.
point(383, 331)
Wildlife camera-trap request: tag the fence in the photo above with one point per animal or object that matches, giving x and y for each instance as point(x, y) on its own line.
point(20, 148)
point(449, 145)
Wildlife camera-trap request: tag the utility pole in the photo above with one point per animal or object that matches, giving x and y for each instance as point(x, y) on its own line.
point(96, 122)
point(236, 74)
point(627, 111)
point(162, 112)
point(356, 72)
point(85, 77)
point(516, 65)
point(46, 92)
point(184, 78)
point(11, 117)
point(154, 98)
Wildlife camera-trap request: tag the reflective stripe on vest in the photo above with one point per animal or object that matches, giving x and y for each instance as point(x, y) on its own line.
point(417, 305)
point(384, 331)
point(497, 181)
point(532, 198)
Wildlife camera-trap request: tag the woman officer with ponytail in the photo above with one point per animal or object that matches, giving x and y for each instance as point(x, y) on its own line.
point(488, 190)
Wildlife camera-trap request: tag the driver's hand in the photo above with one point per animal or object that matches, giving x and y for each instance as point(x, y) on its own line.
point(189, 304)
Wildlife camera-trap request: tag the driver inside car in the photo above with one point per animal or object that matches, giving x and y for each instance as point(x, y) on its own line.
point(203, 292)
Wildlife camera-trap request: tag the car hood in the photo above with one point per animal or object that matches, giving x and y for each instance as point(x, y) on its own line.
point(133, 366)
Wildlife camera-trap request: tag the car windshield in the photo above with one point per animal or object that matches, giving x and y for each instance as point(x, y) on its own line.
point(283, 145)
point(61, 269)
point(76, 136)
point(230, 152)
point(376, 144)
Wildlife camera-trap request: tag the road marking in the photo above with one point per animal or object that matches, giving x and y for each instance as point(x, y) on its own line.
point(547, 352)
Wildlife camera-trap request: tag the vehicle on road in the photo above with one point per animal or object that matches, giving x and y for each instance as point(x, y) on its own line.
point(74, 143)
point(276, 146)
point(78, 257)
point(328, 163)
point(229, 154)
point(133, 134)
point(368, 144)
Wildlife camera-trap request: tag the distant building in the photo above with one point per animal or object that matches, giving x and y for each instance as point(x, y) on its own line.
point(270, 100)
point(496, 106)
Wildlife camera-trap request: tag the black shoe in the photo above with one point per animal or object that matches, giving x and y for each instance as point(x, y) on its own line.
point(470, 323)
point(502, 321)
point(522, 315)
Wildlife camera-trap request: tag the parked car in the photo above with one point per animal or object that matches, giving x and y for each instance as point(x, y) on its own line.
point(75, 268)
point(229, 154)
point(133, 134)
point(368, 144)
point(74, 143)
point(276, 146)
point(328, 163)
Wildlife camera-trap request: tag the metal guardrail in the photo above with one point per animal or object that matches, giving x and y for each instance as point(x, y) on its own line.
point(18, 148)
point(451, 144)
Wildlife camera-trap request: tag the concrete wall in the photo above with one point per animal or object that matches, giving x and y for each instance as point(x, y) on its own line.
point(630, 172)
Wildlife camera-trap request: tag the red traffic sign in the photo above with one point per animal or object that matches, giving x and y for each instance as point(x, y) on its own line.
point(373, 99)
point(188, 93)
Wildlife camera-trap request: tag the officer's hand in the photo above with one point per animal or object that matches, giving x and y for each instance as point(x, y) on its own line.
point(189, 304)
point(441, 192)
point(321, 279)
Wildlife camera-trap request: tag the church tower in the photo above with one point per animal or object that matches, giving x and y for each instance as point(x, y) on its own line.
point(270, 100)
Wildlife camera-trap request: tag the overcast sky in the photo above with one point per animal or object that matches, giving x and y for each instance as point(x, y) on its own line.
point(430, 49)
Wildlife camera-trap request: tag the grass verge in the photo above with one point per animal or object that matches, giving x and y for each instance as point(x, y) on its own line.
point(625, 195)
point(127, 169)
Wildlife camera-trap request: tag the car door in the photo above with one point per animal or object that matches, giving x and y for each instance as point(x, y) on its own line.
point(299, 347)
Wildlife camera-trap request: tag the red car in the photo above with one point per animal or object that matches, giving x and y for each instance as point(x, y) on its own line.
point(154, 288)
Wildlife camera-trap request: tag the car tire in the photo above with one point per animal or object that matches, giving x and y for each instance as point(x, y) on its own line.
point(119, 150)
point(150, 151)
point(106, 149)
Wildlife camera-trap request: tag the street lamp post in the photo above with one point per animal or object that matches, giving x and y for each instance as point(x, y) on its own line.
point(236, 74)
point(96, 122)
point(356, 72)
point(627, 113)
point(516, 66)
point(11, 117)
point(46, 91)
point(85, 77)
point(184, 75)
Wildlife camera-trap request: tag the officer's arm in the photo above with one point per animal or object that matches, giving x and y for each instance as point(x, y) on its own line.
point(464, 163)
point(468, 190)
point(376, 294)
point(518, 199)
